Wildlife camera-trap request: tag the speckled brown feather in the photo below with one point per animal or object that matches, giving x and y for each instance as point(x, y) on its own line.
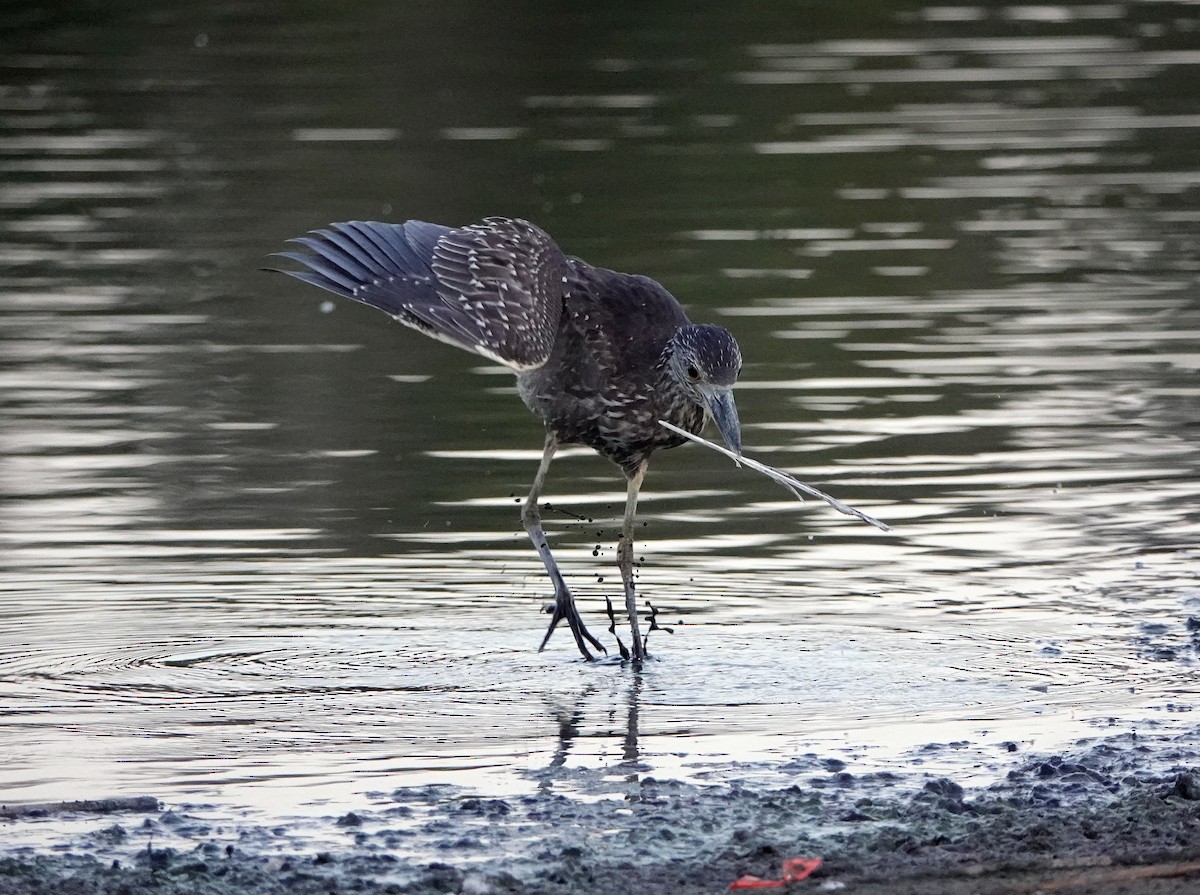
point(590, 346)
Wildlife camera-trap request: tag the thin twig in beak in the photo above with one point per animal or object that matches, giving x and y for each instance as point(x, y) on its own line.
point(796, 487)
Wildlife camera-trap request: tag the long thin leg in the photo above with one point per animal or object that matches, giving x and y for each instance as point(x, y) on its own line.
point(625, 558)
point(564, 603)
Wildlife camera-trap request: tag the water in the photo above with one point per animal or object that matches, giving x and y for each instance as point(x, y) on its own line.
point(261, 551)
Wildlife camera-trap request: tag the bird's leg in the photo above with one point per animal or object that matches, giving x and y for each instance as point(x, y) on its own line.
point(564, 603)
point(625, 557)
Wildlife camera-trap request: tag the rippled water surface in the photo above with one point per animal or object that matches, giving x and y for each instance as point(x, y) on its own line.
point(259, 549)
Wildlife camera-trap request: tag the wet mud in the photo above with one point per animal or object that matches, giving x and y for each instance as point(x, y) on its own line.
point(1112, 815)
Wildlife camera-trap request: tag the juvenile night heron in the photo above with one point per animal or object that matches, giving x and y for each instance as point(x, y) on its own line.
point(600, 356)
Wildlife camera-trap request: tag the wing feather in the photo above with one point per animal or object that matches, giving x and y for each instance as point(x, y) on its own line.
point(495, 288)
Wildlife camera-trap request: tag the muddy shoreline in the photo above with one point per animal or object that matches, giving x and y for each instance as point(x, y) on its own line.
point(1115, 814)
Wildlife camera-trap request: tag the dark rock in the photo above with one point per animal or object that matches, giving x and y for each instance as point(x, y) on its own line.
point(856, 817)
point(1187, 786)
point(441, 878)
point(484, 807)
point(944, 786)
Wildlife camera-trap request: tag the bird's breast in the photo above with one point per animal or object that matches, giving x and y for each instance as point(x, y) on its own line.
point(617, 418)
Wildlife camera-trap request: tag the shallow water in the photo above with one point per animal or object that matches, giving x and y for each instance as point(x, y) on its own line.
point(263, 550)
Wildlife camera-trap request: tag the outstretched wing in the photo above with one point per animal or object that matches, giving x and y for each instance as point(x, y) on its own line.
point(495, 288)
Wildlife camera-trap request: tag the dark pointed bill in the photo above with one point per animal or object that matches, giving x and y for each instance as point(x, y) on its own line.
point(796, 487)
point(724, 413)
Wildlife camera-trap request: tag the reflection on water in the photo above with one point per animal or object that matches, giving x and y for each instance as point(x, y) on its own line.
point(262, 550)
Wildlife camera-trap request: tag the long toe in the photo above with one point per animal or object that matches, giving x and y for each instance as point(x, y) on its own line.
point(555, 618)
point(555, 610)
point(580, 632)
point(612, 628)
point(624, 650)
point(579, 629)
point(596, 643)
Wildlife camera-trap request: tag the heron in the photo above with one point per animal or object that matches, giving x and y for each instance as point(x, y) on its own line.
point(600, 357)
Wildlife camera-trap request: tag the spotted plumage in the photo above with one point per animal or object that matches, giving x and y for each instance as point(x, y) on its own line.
point(608, 379)
point(600, 356)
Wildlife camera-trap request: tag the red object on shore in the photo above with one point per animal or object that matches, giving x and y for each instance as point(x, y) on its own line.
point(794, 870)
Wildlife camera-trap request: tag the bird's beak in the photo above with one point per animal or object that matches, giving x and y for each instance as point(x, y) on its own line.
point(719, 400)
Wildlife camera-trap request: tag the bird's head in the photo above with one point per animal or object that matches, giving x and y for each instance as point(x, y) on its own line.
point(705, 361)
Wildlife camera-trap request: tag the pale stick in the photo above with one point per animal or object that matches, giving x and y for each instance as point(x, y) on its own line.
point(781, 477)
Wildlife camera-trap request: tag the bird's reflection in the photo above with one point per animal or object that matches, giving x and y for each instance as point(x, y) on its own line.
point(629, 750)
point(570, 719)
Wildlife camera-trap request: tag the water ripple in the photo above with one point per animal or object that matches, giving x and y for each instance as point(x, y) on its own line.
point(261, 547)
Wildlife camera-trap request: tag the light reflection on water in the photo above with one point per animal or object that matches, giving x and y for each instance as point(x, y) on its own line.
point(259, 553)
point(359, 687)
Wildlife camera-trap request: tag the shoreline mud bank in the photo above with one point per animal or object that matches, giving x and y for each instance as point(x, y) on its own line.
point(1114, 814)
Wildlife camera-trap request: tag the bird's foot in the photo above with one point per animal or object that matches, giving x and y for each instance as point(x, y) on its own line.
point(612, 627)
point(563, 607)
point(654, 626)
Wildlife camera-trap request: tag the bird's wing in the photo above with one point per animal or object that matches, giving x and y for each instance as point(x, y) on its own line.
point(495, 288)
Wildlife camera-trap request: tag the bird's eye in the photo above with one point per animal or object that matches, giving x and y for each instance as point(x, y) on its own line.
point(693, 373)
